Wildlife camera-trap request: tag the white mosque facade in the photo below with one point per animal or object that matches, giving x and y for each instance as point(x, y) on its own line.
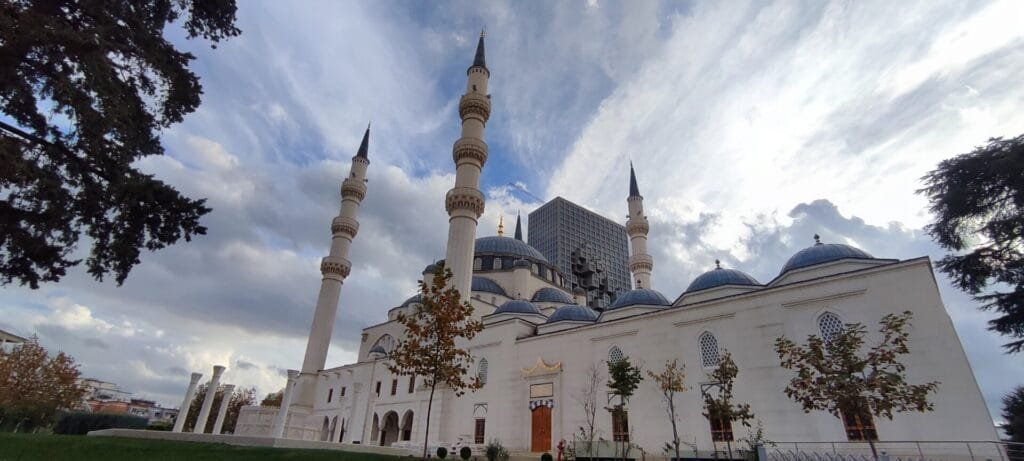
point(539, 340)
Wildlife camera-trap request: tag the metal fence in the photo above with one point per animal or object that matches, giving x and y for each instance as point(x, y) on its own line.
point(896, 451)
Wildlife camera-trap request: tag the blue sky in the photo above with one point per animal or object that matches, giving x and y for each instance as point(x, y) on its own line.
point(752, 126)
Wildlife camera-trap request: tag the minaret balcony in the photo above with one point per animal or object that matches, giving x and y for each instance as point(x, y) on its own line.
point(475, 105)
point(345, 226)
point(641, 263)
point(353, 188)
point(637, 226)
point(335, 267)
point(470, 150)
point(464, 199)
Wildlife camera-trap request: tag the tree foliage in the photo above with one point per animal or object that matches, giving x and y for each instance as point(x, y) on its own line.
point(623, 380)
point(719, 401)
point(430, 346)
point(977, 199)
point(34, 387)
point(239, 398)
point(273, 399)
point(671, 380)
point(1013, 413)
point(85, 89)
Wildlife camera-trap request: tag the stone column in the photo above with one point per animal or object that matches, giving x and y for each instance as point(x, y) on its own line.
point(225, 402)
point(179, 422)
point(286, 401)
point(211, 391)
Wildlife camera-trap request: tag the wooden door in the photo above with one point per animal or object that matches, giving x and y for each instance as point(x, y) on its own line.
point(541, 429)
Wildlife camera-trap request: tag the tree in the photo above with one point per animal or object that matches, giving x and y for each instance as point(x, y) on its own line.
point(1013, 413)
point(586, 397)
point(239, 398)
point(34, 387)
point(429, 347)
point(623, 379)
point(837, 376)
point(85, 89)
point(977, 199)
point(273, 399)
point(718, 405)
point(670, 381)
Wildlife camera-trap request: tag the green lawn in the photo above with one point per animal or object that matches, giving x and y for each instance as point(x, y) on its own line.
point(16, 447)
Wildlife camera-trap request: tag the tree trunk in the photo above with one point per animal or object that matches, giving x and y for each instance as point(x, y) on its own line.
point(430, 404)
point(675, 432)
point(874, 453)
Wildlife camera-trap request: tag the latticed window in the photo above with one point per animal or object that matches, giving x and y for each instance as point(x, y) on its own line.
point(721, 429)
point(478, 432)
point(481, 371)
point(829, 325)
point(620, 425)
point(859, 425)
point(615, 354)
point(708, 350)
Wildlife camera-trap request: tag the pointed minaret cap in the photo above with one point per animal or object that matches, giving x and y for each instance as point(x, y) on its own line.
point(365, 145)
point(478, 60)
point(519, 228)
point(634, 191)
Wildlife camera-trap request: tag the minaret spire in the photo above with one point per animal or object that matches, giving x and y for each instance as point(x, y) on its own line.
point(519, 227)
point(501, 225)
point(365, 145)
point(465, 202)
point(640, 263)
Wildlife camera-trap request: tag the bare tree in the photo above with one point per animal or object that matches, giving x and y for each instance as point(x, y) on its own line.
point(587, 398)
point(670, 381)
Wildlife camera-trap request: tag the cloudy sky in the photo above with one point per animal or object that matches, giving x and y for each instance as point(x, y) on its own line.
point(752, 127)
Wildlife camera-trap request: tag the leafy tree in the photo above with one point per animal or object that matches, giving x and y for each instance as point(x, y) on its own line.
point(238, 399)
point(719, 404)
point(429, 347)
point(977, 199)
point(586, 397)
point(836, 375)
point(1013, 413)
point(34, 387)
point(623, 379)
point(670, 381)
point(273, 399)
point(85, 89)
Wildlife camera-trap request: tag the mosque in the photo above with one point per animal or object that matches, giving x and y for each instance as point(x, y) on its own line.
point(540, 339)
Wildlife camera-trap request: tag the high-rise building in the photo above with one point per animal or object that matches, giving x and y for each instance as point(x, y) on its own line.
point(591, 250)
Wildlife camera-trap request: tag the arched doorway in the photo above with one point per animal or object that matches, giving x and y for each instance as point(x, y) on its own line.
point(375, 429)
point(325, 431)
point(389, 431)
point(540, 439)
point(341, 437)
point(334, 429)
point(407, 425)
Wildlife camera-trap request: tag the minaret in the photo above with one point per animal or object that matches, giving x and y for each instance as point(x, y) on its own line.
point(465, 202)
point(519, 227)
point(640, 263)
point(335, 267)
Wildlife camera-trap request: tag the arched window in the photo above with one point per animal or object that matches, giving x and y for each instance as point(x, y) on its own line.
point(386, 342)
point(534, 269)
point(481, 371)
point(478, 264)
point(615, 354)
point(496, 265)
point(829, 325)
point(708, 350)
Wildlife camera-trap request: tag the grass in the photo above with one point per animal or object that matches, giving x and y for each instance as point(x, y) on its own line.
point(26, 447)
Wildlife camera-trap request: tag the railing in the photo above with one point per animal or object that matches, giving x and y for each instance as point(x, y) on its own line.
point(896, 451)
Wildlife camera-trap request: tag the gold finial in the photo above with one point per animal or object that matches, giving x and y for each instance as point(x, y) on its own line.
point(501, 225)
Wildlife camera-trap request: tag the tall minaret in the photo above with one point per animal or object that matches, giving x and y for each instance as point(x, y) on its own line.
point(335, 267)
point(465, 202)
point(640, 263)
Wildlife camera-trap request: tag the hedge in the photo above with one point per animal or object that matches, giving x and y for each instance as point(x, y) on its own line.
point(80, 422)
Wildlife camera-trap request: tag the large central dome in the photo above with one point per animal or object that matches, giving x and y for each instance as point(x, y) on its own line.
point(506, 246)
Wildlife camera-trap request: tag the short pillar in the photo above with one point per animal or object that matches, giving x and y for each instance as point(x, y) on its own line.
point(179, 421)
point(225, 402)
point(211, 392)
point(286, 401)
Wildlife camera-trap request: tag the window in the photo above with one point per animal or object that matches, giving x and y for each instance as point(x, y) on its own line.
point(620, 425)
point(708, 350)
point(378, 389)
point(478, 432)
point(481, 371)
point(478, 264)
point(859, 425)
point(330, 394)
point(721, 429)
point(496, 265)
point(394, 386)
point(829, 325)
point(615, 354)
point(342, 391)
point(412, 384)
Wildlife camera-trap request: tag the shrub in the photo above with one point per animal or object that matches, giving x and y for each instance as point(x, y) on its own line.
point(160, 426)
point(495, 451)
point(442, 452)
point(80, 422)
point(465, 453)
point(545, 457)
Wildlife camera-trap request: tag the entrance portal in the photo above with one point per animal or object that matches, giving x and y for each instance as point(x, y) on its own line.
point(541, 438)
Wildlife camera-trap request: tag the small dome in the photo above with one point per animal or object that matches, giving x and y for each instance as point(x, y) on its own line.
point(551, 295)
point(521, 263)
point(717, 277)
point(517, 306)
point(507, 246)
point(639, 296)
point(822, 253)
point(579, 291)
point(412, 300)
point(488, 285)
point(430, 269)
point(378, 349)
point(574, 313)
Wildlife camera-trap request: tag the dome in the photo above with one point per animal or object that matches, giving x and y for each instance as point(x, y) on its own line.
point(507, 246)
point(717, 277)
point(517, 306)
point(639, 296)
point(551, 295)
point(488, 285)
point(822, 253)
point(412, 300)
point(430, 269)
point(378, 349)
point(574, 313)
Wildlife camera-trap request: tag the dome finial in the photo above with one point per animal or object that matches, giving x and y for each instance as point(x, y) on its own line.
point(817, 239)
point(501, 225)
point(718, 264)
